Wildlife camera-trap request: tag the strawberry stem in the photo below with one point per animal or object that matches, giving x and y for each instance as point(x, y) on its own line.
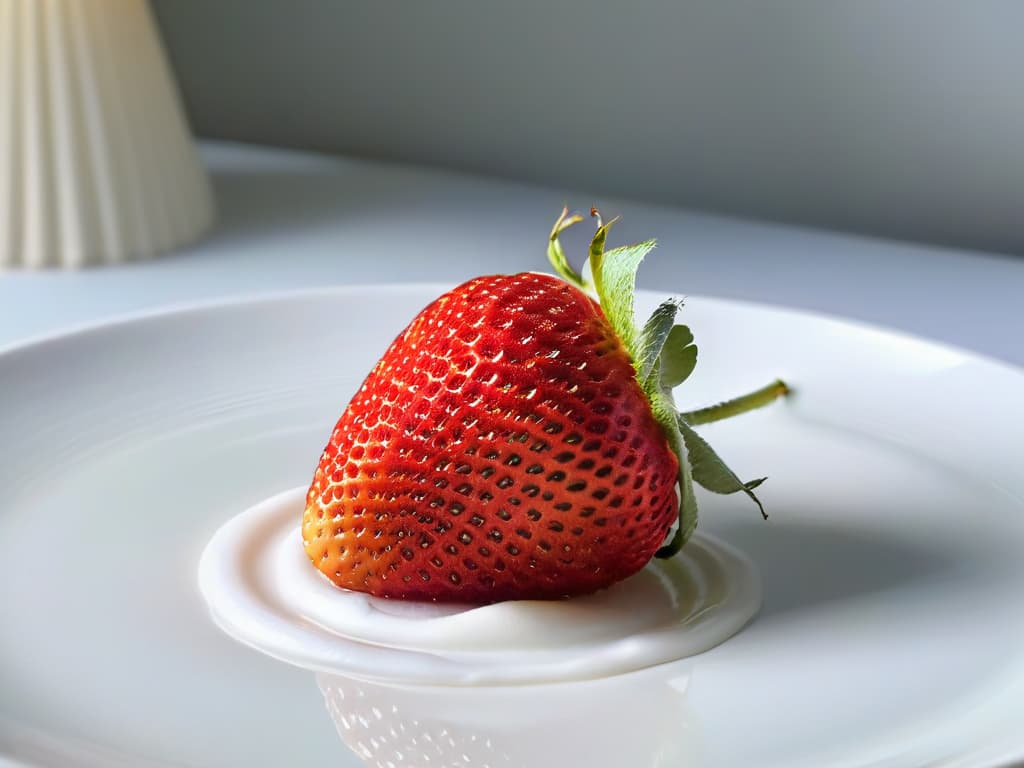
point(729, 408)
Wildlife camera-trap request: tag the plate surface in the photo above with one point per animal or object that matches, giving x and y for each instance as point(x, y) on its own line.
point(891, 632)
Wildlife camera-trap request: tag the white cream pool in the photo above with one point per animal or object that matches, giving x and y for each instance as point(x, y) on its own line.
point(263, 591)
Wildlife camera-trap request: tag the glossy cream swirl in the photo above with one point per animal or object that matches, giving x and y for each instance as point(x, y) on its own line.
point(262, 590)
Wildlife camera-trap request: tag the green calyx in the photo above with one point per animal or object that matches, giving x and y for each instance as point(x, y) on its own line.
point(664, 355)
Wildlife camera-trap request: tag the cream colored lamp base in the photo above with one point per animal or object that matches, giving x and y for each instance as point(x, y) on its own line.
point(97, 164)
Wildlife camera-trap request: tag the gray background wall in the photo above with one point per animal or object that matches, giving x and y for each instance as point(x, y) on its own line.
point(900, 119)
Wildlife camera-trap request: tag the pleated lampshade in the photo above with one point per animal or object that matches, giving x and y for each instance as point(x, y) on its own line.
point(97, 164)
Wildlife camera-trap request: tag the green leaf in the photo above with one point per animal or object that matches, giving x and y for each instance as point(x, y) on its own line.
point(665, 413)
point(678, 357)
point(711, 472)
point(688, 500)
point(652, 339)
point(556, 254)
point(615, 280)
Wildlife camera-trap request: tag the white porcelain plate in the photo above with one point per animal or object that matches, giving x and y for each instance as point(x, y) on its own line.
point(891, 634)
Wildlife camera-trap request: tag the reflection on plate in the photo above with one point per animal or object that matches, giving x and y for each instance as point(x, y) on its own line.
point(891, 629)
point(636, 719)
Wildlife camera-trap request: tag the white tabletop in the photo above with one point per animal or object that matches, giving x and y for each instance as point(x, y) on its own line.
point(290, 220)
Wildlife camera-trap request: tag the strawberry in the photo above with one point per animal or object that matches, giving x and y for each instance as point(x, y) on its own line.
point(518, 441)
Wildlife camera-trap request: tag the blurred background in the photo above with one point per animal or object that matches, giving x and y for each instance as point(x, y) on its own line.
point(859, 159)
point(894, 119)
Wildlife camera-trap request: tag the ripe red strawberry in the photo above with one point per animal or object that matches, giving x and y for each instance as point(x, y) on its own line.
point(516, 441)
